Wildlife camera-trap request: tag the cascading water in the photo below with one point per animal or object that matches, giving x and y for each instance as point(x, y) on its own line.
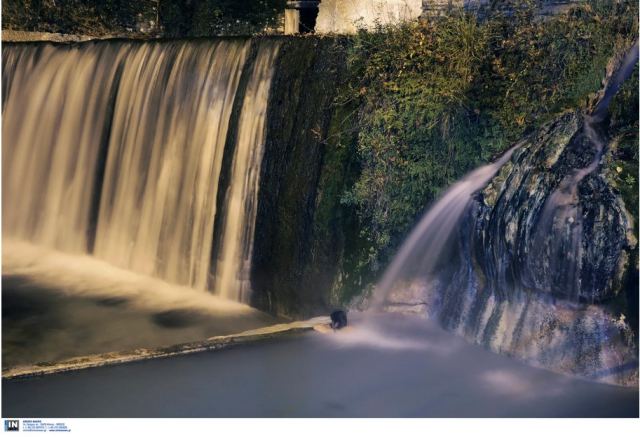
point(234, 257)
point(423, 250)
point(54, 122)
point(165, 152)
point(116, 150)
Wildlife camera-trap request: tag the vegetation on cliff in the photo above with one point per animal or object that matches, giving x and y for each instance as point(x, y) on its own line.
point(622, 169)
point(437, 98)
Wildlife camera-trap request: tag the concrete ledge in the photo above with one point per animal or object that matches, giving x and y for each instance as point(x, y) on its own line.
point(9, 35)
point(114, 358)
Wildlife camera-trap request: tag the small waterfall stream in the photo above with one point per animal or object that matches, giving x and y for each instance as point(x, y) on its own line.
point(423, 250)
point(562, 216)
point(522, 255)
point(234, 257)
point(115, 149)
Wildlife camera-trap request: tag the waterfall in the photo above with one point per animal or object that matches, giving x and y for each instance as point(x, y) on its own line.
point(233, 268)
point(562, 216)
point(424, 248)
point(161, 178)
point(55, 116)
point(116, 149)
point(424, 252)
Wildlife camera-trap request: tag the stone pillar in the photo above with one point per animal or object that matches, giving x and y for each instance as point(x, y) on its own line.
point(300, 16)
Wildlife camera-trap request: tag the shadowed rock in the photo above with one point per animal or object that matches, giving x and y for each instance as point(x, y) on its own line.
point(338, 319)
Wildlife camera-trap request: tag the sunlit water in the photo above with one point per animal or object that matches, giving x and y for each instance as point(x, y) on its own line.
point(116, 149)
point(57, 306)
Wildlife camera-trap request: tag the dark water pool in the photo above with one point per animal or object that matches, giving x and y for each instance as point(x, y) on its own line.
point(414, 370)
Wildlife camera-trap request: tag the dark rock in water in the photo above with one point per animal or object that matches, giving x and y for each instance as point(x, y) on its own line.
point(338, 319)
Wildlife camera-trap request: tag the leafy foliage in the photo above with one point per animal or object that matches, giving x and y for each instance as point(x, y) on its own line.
point(439, 97)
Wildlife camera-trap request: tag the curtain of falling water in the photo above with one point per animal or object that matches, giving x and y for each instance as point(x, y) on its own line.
point(232, 272)
point(55, 111)
point(161, 111)
point(165, 154)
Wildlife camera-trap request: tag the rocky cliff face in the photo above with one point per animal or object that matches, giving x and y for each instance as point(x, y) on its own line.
point(533, 231)
point(567, 267)
point(302, 230)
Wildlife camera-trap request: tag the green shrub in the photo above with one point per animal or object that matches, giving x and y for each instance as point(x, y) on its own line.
point(623, 164)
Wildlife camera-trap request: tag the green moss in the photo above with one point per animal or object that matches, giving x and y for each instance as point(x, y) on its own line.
point(336, 225)
point(490, 193)
point(302, 230)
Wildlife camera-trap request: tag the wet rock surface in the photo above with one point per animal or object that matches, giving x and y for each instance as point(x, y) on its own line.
point(577, 253)
point(539, 266)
